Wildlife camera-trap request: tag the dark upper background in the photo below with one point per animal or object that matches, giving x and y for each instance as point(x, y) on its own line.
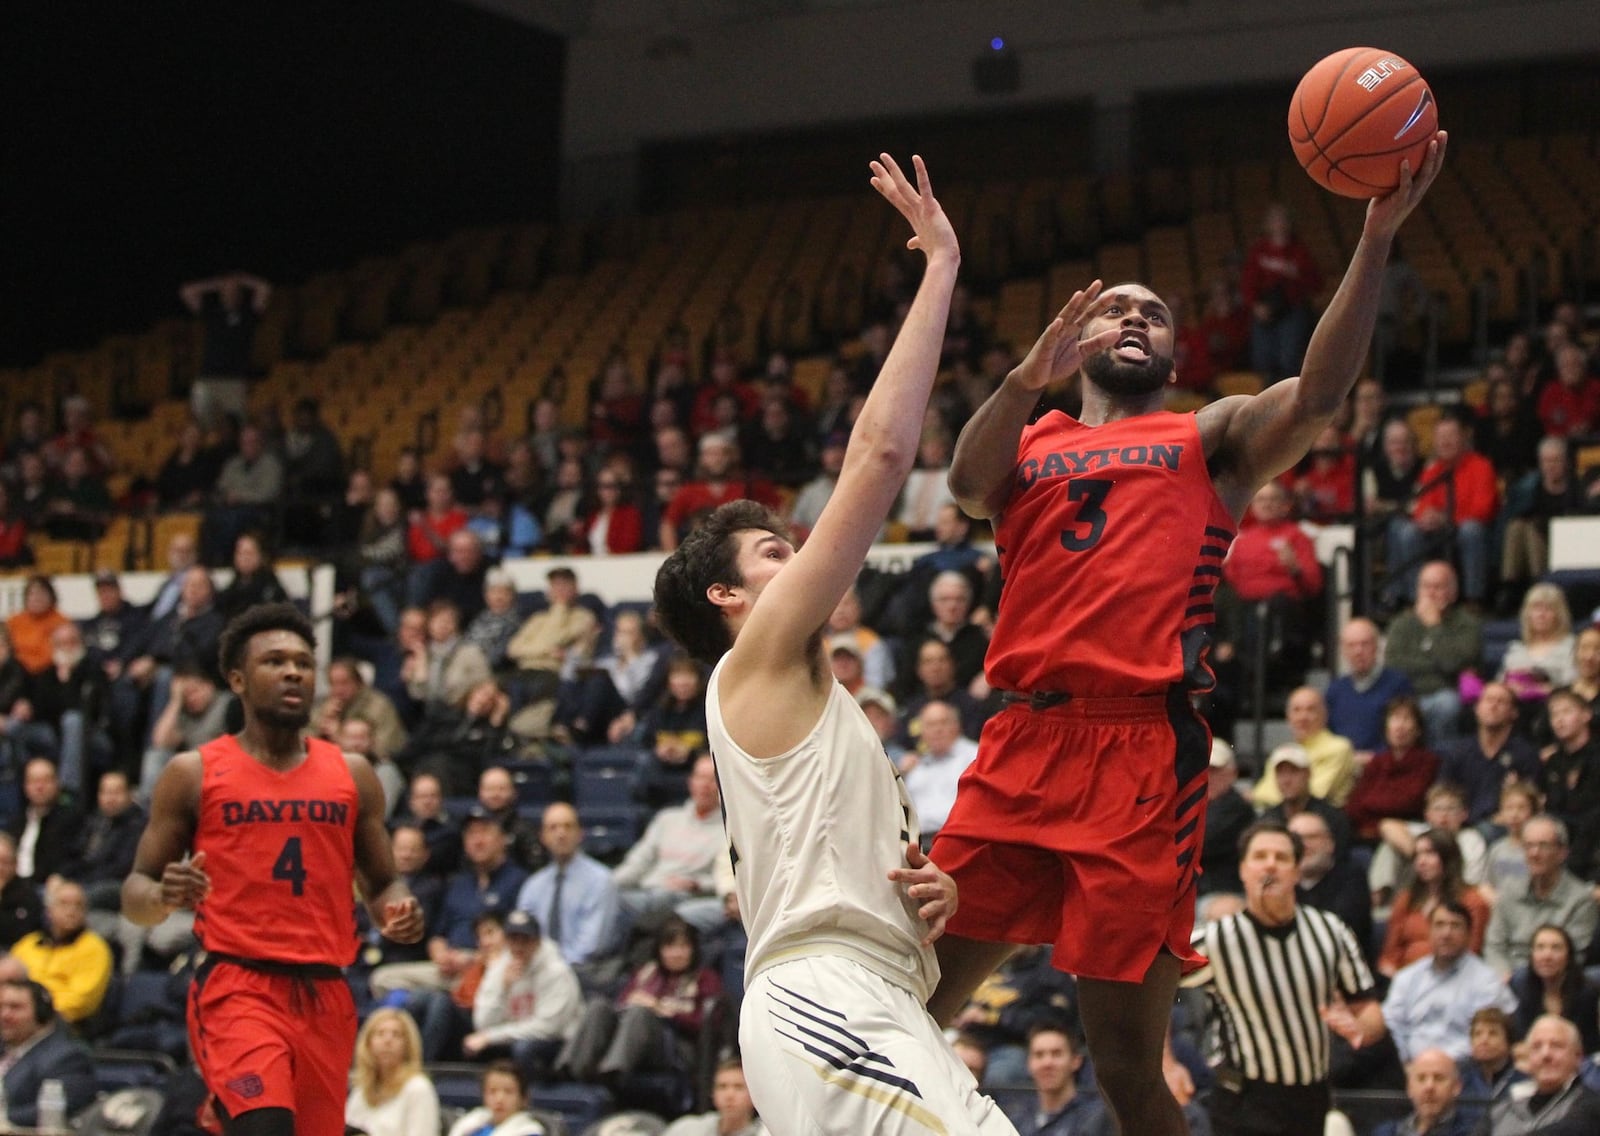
point(145, 144)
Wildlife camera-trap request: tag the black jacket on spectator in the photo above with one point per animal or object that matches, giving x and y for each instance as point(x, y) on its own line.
point(1343, 892)
point(85, 689)
point(109, 844)
point(1338, 824)
point(456, 748)
point(20, 912)
point(175, 642)
point(57, 1056)
point(443, 838)
point(112, 635)
point(1226, 818)
point(60, 844)
point(1581, 1008)
point(13, 684)
point(378, 951)
point(1571, 784)
point(246, 591)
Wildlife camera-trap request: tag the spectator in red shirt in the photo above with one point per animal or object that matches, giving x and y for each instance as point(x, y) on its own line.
point(724, 380)
point(1193, 368)
point(77, 433)
point(1571, 404)
point(14, 549)
point(720, 481)
point(1395, 782)
point(1458, 496)
point(1226, 324)
point(1279, 280)
point(613, 523)
point(1326, 486)
point(1272, 563)
point(429, 534)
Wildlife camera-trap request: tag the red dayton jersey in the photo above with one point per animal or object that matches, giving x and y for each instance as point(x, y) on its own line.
point(1110, 548)
point(280, 851)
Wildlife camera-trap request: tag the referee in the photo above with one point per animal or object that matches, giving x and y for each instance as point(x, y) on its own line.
point(1280, 977)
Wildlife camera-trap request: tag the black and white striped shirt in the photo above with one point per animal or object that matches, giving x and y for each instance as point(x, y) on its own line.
point(1271, 984)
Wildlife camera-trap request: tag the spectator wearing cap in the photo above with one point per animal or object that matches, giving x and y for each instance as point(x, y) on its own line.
point(490, 880)
point(931, 773)
point(110, 631)
point(877, 660)
point(880, 709)
point(1228, 814)
point(529, 1001)
point(1333, 763)
point(1289, 771)
point(552, 642)
point(849, 667)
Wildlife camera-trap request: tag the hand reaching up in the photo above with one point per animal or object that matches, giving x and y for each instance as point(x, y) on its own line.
point(933, 233)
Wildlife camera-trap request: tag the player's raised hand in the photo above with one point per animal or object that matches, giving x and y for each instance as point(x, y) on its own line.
point(184, 883)
point(935, 891)
point(402, 920)
point(1384, 214)
point(1058, 353)
point(933, 233)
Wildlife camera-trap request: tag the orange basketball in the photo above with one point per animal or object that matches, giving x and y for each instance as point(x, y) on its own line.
point(1356, 115)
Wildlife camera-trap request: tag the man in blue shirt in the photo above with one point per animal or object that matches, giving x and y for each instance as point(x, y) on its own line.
point(574, 899)
point(1431, 1003)
point(489, 881)
point(1357, 698)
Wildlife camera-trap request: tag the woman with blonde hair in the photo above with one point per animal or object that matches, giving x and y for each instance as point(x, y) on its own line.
point(1541, 660)
point(391, 1096)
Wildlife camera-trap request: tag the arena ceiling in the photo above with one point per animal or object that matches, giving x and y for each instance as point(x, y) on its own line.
point(666, 18)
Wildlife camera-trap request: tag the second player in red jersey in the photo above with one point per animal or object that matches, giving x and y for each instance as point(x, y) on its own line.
point(268, 839)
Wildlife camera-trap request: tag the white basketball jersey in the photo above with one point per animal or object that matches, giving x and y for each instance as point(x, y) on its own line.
point(814, 833)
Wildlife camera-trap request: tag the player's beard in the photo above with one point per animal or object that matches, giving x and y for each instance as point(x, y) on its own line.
point(280, 718)
point(1125, 380)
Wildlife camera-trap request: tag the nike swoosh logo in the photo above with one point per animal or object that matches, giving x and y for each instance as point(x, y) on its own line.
point(1145, 800)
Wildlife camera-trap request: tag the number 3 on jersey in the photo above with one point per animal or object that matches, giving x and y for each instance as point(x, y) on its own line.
point(1090, 493)
point(290, 867)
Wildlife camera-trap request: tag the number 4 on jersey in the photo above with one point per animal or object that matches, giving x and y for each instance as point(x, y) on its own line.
point(290, 866)
point(1090, 493)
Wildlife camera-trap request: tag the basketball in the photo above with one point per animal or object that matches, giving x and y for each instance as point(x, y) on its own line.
point(1356, 116)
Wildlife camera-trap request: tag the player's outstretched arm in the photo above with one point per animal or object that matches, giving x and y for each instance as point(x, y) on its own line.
point(883, 446)
point(1250, 440)
point(164, 878)
point(394, 910)
point(986, 452)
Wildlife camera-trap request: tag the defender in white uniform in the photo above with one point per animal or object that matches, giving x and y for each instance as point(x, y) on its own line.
point(841, 906)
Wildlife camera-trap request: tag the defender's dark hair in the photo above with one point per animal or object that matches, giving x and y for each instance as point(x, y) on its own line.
point(708, 555)
point(252, 621)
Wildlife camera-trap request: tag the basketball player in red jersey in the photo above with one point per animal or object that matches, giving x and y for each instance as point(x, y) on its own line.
point(1080, 820)
point(266, 838)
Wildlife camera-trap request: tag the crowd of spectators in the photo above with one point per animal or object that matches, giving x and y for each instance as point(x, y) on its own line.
point(1429, 778)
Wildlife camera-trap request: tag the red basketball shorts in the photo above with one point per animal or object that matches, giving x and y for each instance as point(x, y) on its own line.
point(1080, 825)
point(265, 1041)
